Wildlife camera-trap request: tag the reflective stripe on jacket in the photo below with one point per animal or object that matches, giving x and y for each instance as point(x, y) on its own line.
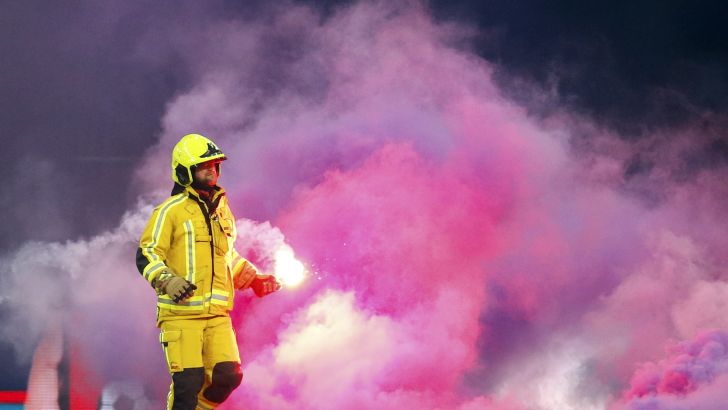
point(182, 238)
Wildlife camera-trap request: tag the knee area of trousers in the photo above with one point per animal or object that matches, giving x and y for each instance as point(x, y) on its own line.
point(190, 379)
point(227, 374)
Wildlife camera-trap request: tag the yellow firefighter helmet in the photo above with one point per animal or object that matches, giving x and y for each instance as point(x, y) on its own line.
point(191, 150)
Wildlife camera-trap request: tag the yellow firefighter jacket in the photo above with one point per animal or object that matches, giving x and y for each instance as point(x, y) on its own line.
point(184, 237)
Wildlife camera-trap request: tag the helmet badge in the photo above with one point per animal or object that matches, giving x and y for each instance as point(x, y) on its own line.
point(211, 150)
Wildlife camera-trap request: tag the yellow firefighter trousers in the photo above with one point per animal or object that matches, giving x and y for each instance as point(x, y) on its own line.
point(203, 359)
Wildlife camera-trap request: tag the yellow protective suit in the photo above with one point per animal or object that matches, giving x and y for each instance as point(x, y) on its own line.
point(185, 237)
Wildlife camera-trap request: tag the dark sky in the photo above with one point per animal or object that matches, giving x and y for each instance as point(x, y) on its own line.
point(630, 65)
point(84, 86)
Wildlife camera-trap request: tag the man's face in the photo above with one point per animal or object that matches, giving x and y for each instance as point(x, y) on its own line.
point(206, 173)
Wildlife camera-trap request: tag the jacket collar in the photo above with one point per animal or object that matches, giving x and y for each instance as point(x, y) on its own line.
point(193, 194)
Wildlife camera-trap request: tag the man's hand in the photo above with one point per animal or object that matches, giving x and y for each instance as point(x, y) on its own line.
point(178, 288)
point(264, 285)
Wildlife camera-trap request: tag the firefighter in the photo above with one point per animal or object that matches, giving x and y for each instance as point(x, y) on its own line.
point(186, 253)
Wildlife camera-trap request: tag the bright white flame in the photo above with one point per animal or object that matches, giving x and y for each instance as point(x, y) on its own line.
point(289, 270)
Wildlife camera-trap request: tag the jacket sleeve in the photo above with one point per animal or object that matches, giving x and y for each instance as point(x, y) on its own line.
point(243, 271)
point(154, 244)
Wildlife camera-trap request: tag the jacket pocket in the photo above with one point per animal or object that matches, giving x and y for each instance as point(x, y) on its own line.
point(221, 238)
point(202, 238)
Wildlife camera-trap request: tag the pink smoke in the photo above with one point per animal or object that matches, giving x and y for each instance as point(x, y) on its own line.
point(693, 376)
point(462, 254)
point(454, 241)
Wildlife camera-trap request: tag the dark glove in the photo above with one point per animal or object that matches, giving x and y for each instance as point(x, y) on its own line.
point(179, 289)
point(264, 285)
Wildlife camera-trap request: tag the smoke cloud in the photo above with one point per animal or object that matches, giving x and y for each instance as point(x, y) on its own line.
point(461, 253)
point(693, 376)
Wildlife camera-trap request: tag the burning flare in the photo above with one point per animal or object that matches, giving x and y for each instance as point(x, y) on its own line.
point(289, 270)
